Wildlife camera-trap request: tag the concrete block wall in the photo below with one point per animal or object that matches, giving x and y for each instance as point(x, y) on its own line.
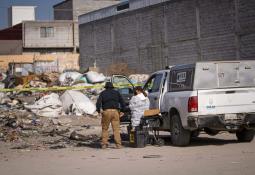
point(64, 10)
point(171, 32)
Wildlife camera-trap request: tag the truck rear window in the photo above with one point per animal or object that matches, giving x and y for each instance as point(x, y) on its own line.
point(181, 80)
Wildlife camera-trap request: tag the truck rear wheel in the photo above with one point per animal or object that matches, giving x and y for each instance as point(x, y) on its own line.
point(245, 135)
point(179, 135)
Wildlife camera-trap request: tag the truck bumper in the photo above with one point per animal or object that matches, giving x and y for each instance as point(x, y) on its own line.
point(219, 122)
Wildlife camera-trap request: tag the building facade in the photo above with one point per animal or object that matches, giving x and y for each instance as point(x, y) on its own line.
point(150, 34)
point(39, 37)
point(49, 37)
point(71, 9)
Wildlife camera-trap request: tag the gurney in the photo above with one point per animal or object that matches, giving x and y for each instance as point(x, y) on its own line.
point(148, 130)
point(151, 121)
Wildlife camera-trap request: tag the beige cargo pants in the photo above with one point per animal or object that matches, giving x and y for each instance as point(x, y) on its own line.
point(111, 116)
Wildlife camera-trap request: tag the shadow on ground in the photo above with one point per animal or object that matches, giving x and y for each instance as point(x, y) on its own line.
point(198, 141)
point(203, 141)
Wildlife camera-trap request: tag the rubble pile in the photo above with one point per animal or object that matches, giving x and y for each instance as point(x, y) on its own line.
point(51, 119)
point(25, 130)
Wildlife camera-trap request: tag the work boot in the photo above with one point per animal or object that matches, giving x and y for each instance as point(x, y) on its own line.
point(104, 146)
point(118, 146)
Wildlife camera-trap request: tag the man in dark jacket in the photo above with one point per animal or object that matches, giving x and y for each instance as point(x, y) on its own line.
point(111, 102)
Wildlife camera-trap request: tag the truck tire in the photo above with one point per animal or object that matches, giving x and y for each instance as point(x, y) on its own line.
point(195, 134)
point(211, 132)
point(179, 135)
point(245, 135)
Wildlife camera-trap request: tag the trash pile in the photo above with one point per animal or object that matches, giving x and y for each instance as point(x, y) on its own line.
point(52, 104)
point(51, 119)
point(25, 130)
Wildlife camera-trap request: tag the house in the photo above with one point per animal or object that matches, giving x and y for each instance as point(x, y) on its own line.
point(39, 37)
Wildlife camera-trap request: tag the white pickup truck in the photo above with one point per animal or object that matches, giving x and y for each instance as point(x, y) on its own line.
point(205, 96)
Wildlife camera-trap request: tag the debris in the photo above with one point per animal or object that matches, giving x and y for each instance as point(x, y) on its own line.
point(32, 120)
point(50, 78)
point(59, 131)
point(22, 146)
point(152, 156)
point(38, 84)
point(77, 103)
point(113, 158)
point(79, 137)
point(68, 78)
point(12, 123)
point(94, 77)
point(12, 136)
point(28, 133)
point(62, 121)
point(2, 76)
point(59, 146)
point(47, 106)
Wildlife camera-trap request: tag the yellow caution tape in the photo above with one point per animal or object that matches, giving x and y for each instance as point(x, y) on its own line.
point(61, 88)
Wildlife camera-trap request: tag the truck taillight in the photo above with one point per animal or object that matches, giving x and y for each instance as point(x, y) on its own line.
point(193, 104)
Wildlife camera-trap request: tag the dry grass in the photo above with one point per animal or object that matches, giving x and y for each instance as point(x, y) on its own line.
point(120, 68)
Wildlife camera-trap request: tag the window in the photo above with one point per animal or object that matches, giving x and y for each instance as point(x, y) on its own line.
point(121, 81)
point(123, 85)
point(153, 84)
point(46, 32)
point(123, 6)
point(181, 80)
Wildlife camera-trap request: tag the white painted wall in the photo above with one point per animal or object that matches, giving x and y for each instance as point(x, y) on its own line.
point(17, 14)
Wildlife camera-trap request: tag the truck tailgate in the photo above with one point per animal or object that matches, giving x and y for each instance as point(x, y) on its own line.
point(224, 101)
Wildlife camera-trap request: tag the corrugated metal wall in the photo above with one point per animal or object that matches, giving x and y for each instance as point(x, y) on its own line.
point(174, 32)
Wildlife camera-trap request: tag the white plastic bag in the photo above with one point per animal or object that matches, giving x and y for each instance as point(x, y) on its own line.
point(47, 106)
point(77, 103)
point(94, 77)
point(67, 78)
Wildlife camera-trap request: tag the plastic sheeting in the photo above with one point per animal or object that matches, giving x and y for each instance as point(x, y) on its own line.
point(47, 106)
point(138, 104)
point(77, 103)
point(94, 77)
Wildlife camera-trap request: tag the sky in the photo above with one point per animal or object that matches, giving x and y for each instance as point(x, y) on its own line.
point(44, 10)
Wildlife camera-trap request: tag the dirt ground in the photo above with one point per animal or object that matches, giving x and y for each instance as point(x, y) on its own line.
point(219, 155)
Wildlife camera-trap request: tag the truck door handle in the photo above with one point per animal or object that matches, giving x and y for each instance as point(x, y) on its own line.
point(155, 98)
